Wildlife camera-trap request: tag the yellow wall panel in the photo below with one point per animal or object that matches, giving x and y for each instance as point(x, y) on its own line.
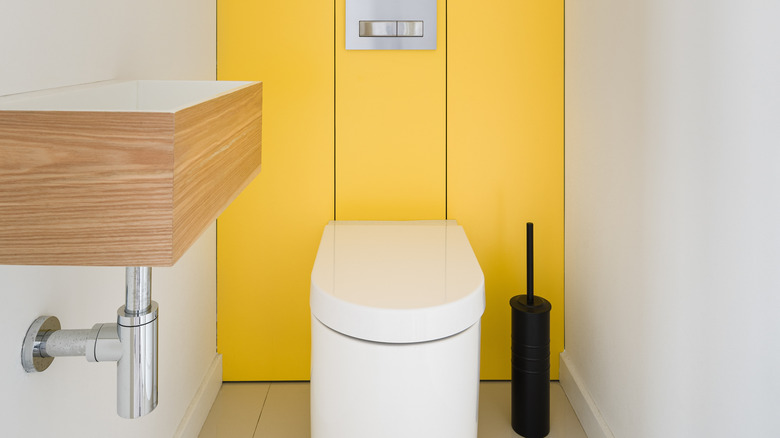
point(390, 130)
point(268, 238)
point(476, 126)
point(505, 156)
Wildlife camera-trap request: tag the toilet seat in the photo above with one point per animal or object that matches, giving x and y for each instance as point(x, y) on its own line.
point(396, 282)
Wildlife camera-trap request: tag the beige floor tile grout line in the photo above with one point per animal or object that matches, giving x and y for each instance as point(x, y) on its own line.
point(262, 407)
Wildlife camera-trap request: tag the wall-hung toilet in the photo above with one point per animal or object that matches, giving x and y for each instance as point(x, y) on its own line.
point(396, 310)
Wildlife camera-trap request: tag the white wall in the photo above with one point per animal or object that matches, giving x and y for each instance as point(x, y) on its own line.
point(45, 44)
point(50, 43)
point(673, 214)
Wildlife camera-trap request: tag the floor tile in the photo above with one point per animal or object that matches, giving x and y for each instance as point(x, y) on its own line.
point(281, 410)
point(495, 412)
point(563, 420)
point(286, 412)
point(236, 410)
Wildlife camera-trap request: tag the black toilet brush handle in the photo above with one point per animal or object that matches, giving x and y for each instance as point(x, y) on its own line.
point(529, 249)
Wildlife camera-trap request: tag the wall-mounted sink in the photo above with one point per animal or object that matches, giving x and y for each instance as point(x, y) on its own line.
point(122, 173)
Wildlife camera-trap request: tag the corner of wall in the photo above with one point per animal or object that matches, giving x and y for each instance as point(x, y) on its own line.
point(201, 403)
point(584, 406)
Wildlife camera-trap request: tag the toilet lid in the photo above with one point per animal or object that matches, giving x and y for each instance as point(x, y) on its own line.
point(397, 282)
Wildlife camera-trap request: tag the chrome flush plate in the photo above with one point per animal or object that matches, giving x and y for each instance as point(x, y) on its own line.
point(390, 24)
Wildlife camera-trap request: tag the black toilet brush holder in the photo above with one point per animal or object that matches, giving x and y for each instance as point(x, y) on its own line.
point(530, 357)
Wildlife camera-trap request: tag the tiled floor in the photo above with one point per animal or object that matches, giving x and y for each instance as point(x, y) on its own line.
point(281, 410)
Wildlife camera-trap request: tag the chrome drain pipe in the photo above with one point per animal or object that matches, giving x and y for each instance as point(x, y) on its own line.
point(136, 378)
point(138, 290)
point(131, 342)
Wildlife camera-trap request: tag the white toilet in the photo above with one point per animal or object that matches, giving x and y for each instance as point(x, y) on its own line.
point(396, 310)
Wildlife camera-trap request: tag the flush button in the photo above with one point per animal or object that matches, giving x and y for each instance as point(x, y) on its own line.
point(377, 28)
point(410, 28)
point(390, 24)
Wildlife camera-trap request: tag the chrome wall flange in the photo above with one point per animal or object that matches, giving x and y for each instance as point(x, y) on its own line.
point(32, 361)
point(131, 342)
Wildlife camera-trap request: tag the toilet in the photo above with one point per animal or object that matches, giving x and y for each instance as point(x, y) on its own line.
point(395, 331)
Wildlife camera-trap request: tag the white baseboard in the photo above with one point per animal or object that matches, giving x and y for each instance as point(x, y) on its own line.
point(580, 399)
point(199, 407)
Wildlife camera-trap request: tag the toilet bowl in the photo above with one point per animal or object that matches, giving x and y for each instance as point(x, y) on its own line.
point(396, 310)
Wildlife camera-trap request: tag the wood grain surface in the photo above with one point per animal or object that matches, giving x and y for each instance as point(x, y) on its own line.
point(122, 188)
